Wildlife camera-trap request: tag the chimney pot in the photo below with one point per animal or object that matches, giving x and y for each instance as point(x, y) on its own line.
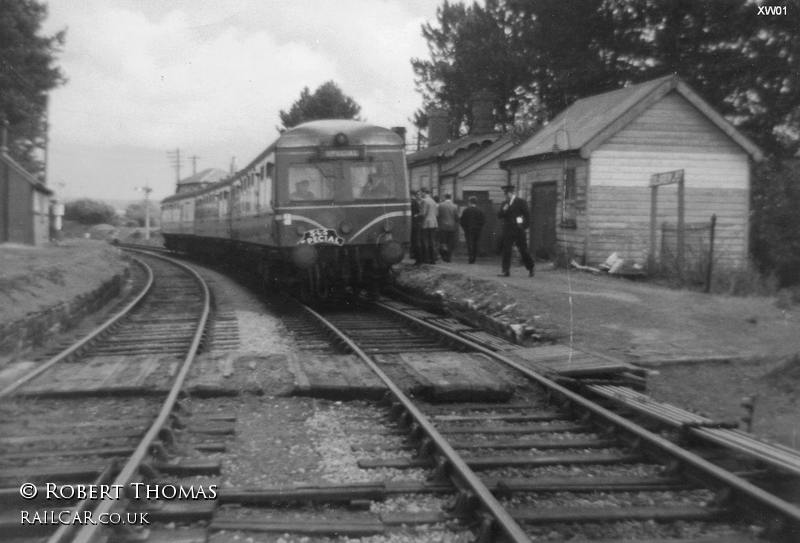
point(400, 131)
point(438, 129)
point(482, 105)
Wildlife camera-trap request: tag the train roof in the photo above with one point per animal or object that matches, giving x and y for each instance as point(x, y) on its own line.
point(310, 134)
point(315, 133)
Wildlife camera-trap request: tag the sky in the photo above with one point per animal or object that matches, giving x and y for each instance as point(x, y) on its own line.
point(209, 77)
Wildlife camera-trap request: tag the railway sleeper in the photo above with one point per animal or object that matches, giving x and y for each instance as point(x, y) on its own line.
point(378, 524)
point(492, 462)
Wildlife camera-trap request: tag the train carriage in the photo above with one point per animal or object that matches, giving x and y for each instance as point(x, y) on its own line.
point(324, 208)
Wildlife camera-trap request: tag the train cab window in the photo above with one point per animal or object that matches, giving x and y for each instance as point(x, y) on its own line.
point(373, 181)
point(309, 183)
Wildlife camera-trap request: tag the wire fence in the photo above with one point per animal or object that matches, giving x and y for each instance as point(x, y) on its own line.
point(698, 252)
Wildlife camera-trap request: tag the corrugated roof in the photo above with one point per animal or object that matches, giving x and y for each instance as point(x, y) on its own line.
point(209, 175)
point(590, 121)
point(583, 120)
point(449, 149)
point(483, 156)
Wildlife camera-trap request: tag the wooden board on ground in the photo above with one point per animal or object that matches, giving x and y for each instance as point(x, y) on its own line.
point(339, 377)
point(104, 374)
point(456, 377)
point(226, 374)
point(568, 361)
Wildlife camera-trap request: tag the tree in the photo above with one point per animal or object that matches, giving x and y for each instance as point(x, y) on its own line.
point(327, 102)
point(746, 66)
point(471, 49)
point(135, 212)
point(545, 54)
point(775, 232)
point(87, 211)
point(27, 74)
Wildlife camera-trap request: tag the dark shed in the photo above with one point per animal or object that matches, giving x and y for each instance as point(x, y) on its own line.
point(24, 205)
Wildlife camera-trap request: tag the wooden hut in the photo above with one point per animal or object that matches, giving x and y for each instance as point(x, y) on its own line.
point(24, 205)
point(590, 174)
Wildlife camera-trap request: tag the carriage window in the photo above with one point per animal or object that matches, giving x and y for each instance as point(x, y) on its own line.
point(373, 181)
point(309, 183)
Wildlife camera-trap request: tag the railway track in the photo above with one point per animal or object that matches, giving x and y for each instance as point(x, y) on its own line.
point(527, 457)
point(546, 463)
point(80, 430)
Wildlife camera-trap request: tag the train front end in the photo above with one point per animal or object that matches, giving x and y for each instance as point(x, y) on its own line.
point(343, 214)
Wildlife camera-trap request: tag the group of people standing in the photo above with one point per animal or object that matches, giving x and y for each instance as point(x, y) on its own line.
point(435, 228)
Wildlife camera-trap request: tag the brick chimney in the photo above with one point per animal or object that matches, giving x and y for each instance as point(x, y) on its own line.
point(482, 104)
point(400, 131)
point(438, 129)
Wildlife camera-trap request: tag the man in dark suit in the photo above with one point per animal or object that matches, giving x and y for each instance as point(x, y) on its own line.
point(472, 220)
point(515, 219)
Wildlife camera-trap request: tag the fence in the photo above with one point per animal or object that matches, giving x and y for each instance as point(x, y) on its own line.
point(698, 252)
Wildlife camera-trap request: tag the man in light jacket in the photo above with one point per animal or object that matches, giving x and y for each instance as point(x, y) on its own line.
point(447, 217)
point(428, 211)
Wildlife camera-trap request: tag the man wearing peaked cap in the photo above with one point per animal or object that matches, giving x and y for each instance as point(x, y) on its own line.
point(516, 219)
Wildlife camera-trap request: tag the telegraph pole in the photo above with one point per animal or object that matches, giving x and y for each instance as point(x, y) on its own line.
point(194, 158)
point(147, 190)
point(175, 161)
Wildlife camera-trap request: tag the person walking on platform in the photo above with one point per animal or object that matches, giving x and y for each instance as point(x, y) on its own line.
point(416, 228)
point(447, 217)
point(472, 221)
point(515, 219)
point(429, 224)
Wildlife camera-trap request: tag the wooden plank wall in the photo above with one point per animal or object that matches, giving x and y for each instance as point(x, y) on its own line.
point(570, 241)
point(670, 135)
point(488, 177)
point(418, 174)
point(673, 125)
point(628, 232)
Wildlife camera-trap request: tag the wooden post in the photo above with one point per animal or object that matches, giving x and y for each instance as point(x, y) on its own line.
point(711, 252)
point(656, 180)
point(680, 249)
point(4, 136)
point(651, 258)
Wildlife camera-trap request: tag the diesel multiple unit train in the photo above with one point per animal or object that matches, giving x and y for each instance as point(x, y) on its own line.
point(325, 209)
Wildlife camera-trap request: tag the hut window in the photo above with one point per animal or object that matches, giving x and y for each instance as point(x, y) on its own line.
point(569, 210)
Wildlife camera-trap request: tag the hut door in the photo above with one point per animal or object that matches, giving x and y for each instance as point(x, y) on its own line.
point(488, 237)
point(544, 198)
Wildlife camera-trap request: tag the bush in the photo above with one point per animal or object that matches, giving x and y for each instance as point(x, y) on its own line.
point(743, 282)
point(775, 233)
point(87, 211)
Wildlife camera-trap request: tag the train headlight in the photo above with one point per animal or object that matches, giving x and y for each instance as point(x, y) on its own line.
point(345, 227)
point(340, 139)
point(304, 256)
point(391, 252)
point(300, 229)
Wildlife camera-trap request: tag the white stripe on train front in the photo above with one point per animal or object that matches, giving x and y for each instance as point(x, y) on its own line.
point(288, 218)
point(377, 220)
point(344, 206)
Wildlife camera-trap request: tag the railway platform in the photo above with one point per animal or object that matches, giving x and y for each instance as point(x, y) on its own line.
point(50, 288)
point(630, 320)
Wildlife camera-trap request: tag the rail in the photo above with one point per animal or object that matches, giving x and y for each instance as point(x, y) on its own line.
point(126, 474)
point(506, 523)
point(787, 510)
point(86, 340)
